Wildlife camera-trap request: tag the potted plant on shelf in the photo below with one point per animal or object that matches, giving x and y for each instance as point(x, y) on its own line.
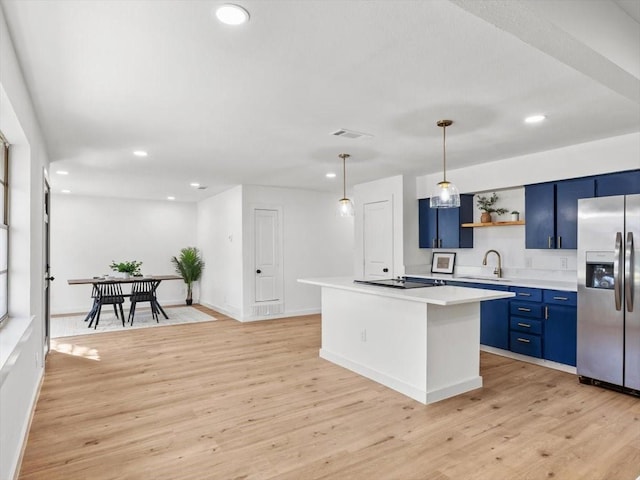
point(487, 205)
point(515, 216)
point(126, 268)
point(189, 266)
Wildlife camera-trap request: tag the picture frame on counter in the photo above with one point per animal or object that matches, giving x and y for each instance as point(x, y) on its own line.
point(443, 262)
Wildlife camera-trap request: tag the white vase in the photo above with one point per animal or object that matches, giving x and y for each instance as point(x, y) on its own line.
point(515, 217)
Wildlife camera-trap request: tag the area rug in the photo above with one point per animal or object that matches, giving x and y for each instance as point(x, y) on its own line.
point(75, 324)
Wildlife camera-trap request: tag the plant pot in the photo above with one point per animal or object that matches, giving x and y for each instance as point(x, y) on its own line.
point(515, 217)
point(485, 217)
point(189, 301)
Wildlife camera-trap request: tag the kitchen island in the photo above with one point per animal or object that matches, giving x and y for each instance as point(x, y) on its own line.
point(421, 342)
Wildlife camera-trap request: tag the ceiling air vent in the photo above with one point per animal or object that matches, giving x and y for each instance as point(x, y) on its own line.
point(202, 187)
point(344, 133)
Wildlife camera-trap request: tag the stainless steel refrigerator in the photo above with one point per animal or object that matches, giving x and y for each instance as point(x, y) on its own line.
point(608, 292)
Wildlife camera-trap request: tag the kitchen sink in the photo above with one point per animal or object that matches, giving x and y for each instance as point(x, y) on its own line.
point(492, 279)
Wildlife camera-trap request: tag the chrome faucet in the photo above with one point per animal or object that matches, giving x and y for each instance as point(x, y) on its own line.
point(498, 269)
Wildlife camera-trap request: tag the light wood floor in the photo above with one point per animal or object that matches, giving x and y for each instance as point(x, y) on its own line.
point(226, 400)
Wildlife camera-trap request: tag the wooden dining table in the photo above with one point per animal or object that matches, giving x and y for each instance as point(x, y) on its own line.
point(122, 280)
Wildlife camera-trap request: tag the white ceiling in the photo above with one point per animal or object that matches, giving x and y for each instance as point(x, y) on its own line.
point(256, 104)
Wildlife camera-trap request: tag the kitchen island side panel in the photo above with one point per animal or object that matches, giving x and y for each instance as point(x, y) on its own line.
point(427, 352)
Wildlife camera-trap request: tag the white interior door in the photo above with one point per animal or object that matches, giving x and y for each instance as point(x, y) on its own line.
point(267, 255)
point(378, 239)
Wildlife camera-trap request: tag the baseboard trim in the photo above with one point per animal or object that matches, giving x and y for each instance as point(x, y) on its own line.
point(524, 358)
point(25, 439)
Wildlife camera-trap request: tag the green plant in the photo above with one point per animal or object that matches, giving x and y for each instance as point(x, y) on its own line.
point(132, 267)
point(189, 266)
point(486, 204)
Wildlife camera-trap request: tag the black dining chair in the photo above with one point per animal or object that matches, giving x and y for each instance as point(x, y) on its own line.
point(144, 291)
point(95, 295)
point(108, 293)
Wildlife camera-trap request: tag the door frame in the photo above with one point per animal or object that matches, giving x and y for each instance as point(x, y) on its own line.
point(252, 246)
point(46, 263)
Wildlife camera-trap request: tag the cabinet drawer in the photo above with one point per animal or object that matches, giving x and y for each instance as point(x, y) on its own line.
point(526, 344)
point(560, 297)
point(528, 294)
point(526, 325)
point(526, 309)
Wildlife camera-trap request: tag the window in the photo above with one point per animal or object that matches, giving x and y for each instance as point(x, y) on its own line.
point(4, 229)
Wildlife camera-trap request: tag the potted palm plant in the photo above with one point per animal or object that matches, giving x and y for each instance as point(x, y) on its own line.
point(189, 266)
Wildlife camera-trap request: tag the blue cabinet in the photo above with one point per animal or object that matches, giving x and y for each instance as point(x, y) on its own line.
point(525, 321)
point(539, 207)
point(560, 325)
point(542, 324)
point(440, 227)
point(552, 212)
point(620, 183)
point(494, 316)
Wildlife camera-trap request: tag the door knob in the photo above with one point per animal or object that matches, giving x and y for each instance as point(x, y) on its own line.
point(258, 271)
point(50, 279)
point(385, 270)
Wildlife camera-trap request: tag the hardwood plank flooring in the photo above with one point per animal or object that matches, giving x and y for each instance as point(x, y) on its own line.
point(230, 400)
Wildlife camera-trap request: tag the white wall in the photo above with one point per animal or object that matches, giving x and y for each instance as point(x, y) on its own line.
point(401, 191)
point(507, 177)
point(592, 158)
point(88, 233)
point(22, 337)
point(317, 243)
point(220, 240)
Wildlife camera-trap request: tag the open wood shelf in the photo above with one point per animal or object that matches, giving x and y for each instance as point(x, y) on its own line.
point(493, 224)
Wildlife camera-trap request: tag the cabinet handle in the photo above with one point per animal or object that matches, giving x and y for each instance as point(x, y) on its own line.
point(522, 309)
point(524, 340)
point(439, 243)
point(546, 312)
point(433, 243)
point(524, 294)
point(524, 325)
point(564, 299)
point(559, 242)
point(549, 241)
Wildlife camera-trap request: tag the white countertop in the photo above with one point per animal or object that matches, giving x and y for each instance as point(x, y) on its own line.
point(507, 282)
point(440, 295)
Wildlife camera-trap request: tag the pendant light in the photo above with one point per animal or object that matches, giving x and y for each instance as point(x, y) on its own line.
point(345, 206)
point(445, 194)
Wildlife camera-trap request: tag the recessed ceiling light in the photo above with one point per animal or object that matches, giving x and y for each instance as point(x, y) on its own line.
point(535, 118)
point(194, 185)
point(171, 198)
point(230, 14)
point(330, 175)
point(140, 153)
point(62, 172)
point(66, 191)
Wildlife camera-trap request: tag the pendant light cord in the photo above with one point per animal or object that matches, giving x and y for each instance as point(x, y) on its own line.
point(344, 177)
point(444, 152)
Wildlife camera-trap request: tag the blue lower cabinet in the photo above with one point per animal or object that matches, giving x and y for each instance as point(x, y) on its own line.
point(494, 323)
point(526, 325)
point(526, 344)
point(560, 334)
point(542, 324)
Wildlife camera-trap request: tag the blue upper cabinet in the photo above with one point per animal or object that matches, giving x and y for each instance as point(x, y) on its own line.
point(539, 207)
point(567, 194)
point(551, 211)
point(440, 227)
point(621, 183)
